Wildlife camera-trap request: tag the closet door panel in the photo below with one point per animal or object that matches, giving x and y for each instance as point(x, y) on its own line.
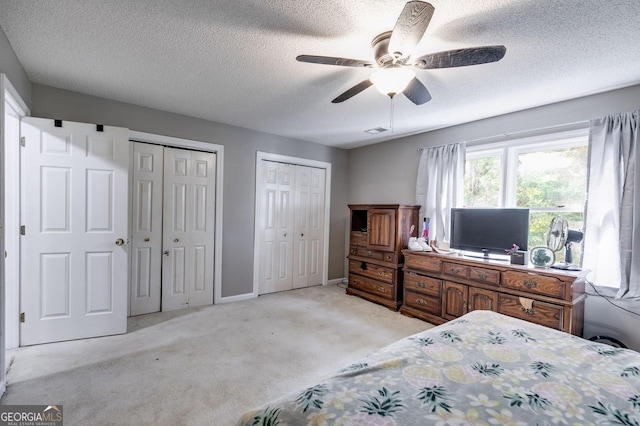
point(276, 213)
point(146, 227)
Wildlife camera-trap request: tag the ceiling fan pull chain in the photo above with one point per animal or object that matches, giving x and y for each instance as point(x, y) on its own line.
point(391, 114)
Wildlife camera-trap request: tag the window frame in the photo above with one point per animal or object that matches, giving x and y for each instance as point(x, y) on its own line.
point(508, 151)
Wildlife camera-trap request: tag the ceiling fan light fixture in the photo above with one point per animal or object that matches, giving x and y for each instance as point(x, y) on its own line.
point(392, 80)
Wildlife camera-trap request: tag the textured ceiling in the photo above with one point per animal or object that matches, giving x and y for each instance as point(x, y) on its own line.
point(234, 61)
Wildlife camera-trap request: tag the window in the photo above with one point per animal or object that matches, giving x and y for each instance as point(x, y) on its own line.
point(546, 174)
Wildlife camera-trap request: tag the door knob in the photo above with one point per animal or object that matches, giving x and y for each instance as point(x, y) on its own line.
point(166, 252)
point(146, 240)
point(119, 242)
point(175, 240)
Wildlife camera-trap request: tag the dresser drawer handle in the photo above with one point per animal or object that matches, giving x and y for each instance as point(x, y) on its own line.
point(528, 311)
point(530, 283)
point(368, 252)
point(421, 284)
point(382, 289)
point(382, 274)
point(483, 276)
point(355, 281)
point(363, 266)
point(421, 302)
point(456, 270)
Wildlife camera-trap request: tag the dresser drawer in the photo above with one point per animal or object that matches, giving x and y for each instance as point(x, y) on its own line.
point(374, 254)
point(485, 276)
point(426, 285)
point(428, 304)
point(358, 239)
point(534, 283)
point(542, 313)
point(371, 286)
point(370, 270)
point(455, 269)
point(423, 263)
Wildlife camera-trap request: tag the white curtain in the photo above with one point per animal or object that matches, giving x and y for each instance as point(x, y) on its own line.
point(439, 187)
point(612, 214)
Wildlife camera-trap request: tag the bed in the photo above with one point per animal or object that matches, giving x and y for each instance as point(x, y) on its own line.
point(482, 369)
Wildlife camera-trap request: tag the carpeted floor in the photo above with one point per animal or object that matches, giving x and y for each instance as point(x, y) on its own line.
point(205, 365)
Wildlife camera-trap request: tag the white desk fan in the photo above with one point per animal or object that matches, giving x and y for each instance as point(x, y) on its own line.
point(559, 236)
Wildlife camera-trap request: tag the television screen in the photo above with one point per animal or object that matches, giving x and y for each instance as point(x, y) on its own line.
point(489, 230)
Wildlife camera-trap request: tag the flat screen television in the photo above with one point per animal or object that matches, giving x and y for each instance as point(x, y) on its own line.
point(489, 230)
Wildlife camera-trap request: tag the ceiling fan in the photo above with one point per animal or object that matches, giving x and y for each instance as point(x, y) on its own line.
point(392, 51)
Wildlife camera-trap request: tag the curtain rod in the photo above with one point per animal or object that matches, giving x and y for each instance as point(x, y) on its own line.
point(567, 126)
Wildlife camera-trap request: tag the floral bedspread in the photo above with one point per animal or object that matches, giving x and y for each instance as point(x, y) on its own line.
point(481, 369)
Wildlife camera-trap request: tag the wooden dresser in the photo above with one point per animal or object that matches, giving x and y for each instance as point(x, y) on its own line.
point(438, 288)
point(378, 233)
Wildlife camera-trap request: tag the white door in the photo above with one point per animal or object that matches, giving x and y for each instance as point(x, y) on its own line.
point(188, 228)
point(146, 227)
point(74, 210)
point(277, 227)
point(309, 225)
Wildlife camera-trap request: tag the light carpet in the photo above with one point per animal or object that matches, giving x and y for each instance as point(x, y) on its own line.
point(205, 365)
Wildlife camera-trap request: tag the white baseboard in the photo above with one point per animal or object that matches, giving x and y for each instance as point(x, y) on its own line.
point(246, 296)
point(236, 298)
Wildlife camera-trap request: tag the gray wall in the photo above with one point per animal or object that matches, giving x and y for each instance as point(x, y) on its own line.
point(240, 146)
point(393, 179)
point(11, 66)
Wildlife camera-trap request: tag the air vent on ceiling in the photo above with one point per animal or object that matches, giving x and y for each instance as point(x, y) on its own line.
point(376, 130)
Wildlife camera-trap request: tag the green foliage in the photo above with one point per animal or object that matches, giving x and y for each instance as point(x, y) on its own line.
point(269, 417)
point(311, 398)
point(424, 341)
point(388, 404)
point(354, 367)
point(450, 336)
point(630, 371)
point(521, 334)
point(550, 179)
point(534, 401)
point(604, 350)
point(435, 398)
point(635, 400)
point(495, 338)
point(542, 368)
point(613, 415)
point(488, 370)
point(482, 182)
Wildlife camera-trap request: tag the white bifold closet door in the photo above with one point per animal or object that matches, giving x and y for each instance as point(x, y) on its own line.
point(146, 227)
point(291, 209)
point(73, 250)
point(173, 228)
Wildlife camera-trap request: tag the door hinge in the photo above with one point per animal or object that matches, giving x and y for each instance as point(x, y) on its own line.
point(22, 317)
point(23, 230)
point(23, 141)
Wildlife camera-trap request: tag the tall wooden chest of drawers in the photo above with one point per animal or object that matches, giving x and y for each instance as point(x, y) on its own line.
point(378, 233)
point(438, 288)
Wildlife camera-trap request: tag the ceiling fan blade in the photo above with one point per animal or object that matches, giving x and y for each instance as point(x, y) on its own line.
point(328, 60)
point(416, 92)
point(410, 27)
point(353, 91)
point(461, 57)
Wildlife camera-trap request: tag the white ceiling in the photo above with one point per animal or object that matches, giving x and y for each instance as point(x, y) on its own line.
point(234, 61)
